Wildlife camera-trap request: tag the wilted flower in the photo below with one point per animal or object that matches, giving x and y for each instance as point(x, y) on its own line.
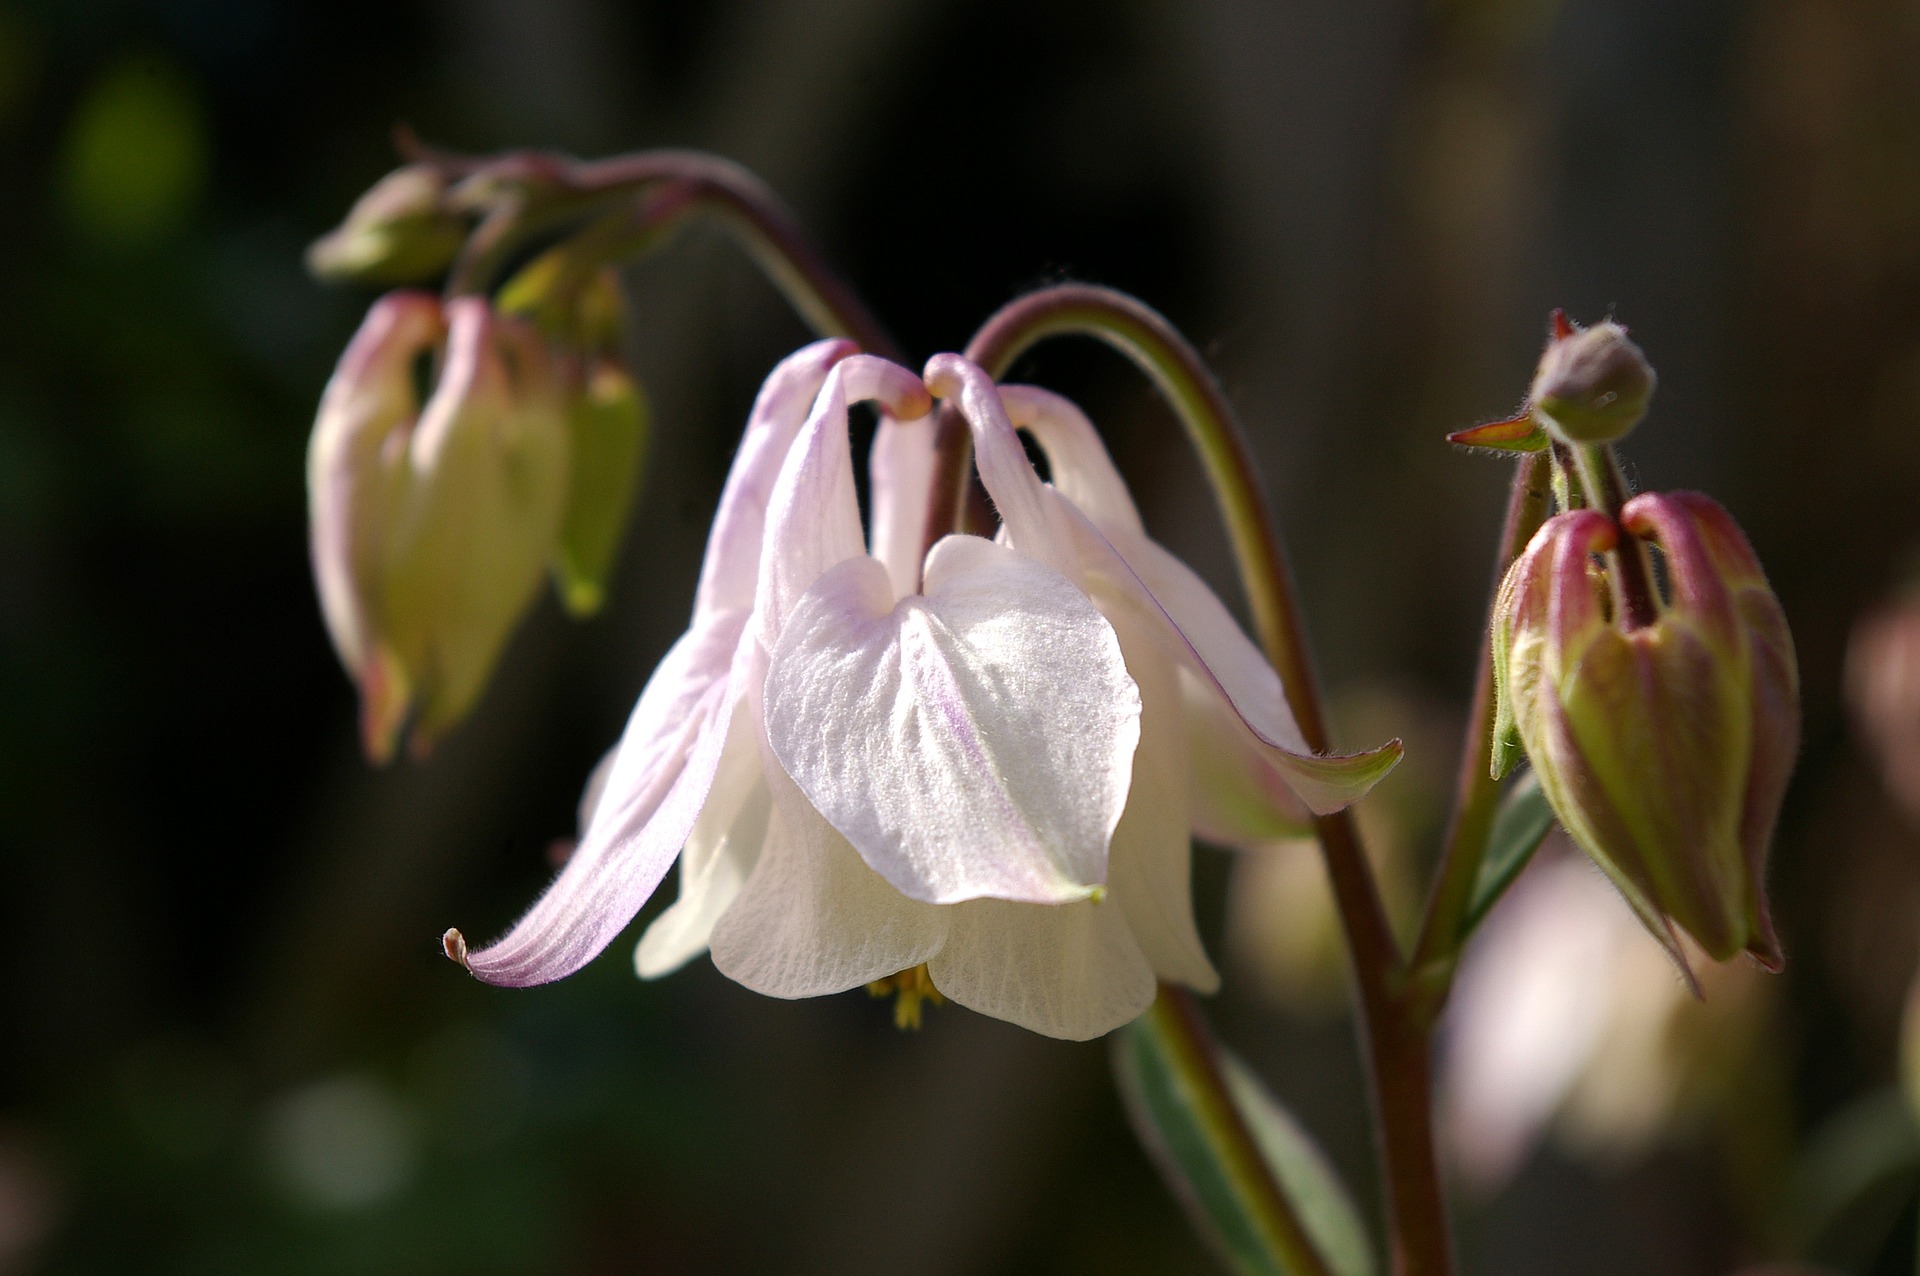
point(1564, 1014)
point(432, 528)
point(1664, 749)
point(977, 762)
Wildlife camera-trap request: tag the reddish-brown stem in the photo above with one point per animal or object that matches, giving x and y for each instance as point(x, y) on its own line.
point(541, 190)
point(1395, 1035)
point(1632, 574)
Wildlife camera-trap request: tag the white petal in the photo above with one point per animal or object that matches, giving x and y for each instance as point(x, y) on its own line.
point(1072, 971)
point(1017, 492)
point(1238, 798)
point(1083, 471)
point(660, 779)
point(974, 742)
point(813, 518)
point(731, 567)
point(720, 852)
point(1104, 540)
point(812, 918)
point(1152, 859)
point(900, 471)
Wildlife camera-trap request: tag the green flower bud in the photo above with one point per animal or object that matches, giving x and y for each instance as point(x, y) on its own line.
point(355, 484)
point(433, 528)
point(1593, 384)
point(1664, 749)
point(400, 231)
point(608, 419)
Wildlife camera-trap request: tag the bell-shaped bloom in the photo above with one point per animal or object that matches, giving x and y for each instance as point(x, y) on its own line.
point(433, 527)
point(1664, 749)
point(978, 761)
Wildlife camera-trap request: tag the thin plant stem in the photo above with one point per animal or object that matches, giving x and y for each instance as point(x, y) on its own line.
point(1477, 793)
point(1395, 1037)
point(543, 191)
point(1176, 1017)
point(1632, 574)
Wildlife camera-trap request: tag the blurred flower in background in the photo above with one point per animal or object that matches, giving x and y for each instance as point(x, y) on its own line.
point(1569, 1016)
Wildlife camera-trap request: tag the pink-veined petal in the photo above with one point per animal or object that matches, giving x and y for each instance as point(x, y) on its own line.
point(813, 516)
point(972, 742)
point(900, 470)
point(659, 781)
point(813, 919)
point(730, 570)
point(1151, 864)
point(1072, 971)
point(720, 853)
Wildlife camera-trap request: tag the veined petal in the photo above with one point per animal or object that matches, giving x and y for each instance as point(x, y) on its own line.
point(974, 742)
point(1151, 864)
point(900, 473)
point(720, 852)
point(1072, 971)
point(658, 783)
point(812, 918)
point(730, 570)
point(813, 516)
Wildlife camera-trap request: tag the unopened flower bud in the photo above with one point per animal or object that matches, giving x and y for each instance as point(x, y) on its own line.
point(607, 418)
point(401, 231)
point(431, 534)
point(1593, 385)
point(356, 473)
point(1665, 749)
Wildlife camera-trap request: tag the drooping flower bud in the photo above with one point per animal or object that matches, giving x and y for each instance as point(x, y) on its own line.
point(356, 474)
point(431, 534)
point(1593, 384)
point(401, 231)
point(1665, 749)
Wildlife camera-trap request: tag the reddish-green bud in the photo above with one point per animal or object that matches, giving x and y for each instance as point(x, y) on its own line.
point(401, 231)
point(1665, 749)
point(1593, 384)
point(433, 526)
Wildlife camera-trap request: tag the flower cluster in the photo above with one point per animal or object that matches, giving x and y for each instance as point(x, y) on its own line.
point(984, 762)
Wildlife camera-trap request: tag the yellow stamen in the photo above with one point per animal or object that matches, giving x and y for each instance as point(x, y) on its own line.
point(910, 989)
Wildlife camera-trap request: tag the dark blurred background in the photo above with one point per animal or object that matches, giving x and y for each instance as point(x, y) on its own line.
point(231, 1042)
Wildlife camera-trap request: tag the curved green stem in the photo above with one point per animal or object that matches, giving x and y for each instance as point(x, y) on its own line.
point(1477, 793)
point(1395, 1037)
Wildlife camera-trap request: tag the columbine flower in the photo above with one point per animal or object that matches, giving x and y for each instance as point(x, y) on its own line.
point(432, 528)
point(977, 762)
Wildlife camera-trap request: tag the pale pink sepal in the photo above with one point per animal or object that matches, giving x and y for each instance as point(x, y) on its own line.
point(664, 765)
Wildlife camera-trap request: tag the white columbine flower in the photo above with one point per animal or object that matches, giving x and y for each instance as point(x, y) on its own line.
point(985, 763)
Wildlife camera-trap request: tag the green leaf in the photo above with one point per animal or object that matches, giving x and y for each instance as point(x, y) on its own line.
point(1522, 823)
point(1854, 1180)
point(1167, 1117)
